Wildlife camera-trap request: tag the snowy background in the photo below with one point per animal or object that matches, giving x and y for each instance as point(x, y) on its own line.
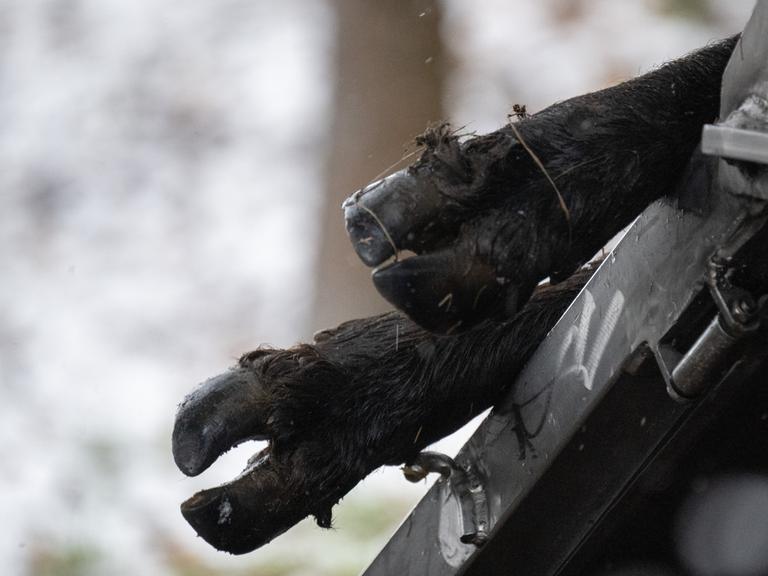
point(159, 169)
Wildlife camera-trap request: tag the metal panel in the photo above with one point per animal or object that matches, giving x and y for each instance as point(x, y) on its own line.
point(635, 297)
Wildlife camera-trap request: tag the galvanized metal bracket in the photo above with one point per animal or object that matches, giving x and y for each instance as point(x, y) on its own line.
point(735, 143)
point(741, 138)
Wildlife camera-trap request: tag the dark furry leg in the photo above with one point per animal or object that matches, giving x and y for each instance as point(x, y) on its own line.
point(370, 392)
point(491, 216)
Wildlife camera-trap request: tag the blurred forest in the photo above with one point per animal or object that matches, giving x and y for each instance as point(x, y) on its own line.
point(170, 184)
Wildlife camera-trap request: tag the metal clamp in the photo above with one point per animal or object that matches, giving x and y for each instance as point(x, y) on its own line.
point(738, 317)
point(467, 485)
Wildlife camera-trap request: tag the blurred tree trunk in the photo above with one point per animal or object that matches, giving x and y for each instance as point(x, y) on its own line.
point(388, 88)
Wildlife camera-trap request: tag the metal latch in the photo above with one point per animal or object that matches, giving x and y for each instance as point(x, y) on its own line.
point(738, 316)
point(466, 484)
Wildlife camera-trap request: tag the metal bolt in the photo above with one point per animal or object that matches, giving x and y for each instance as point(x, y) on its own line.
point(743, 309)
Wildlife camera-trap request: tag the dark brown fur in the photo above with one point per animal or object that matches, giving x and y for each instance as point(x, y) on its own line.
point(487, 226)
